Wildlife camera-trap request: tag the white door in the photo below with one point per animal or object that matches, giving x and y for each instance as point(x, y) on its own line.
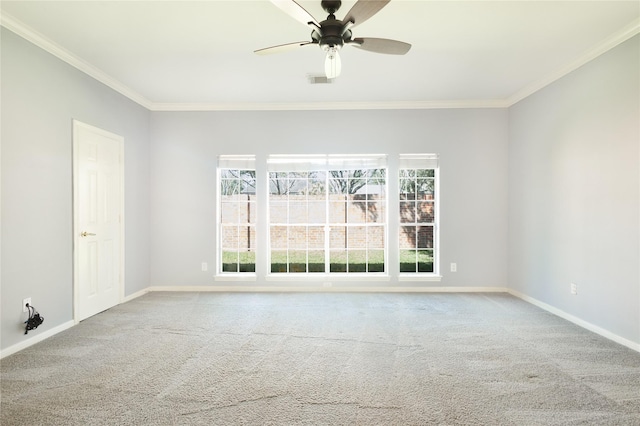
point(98, 220)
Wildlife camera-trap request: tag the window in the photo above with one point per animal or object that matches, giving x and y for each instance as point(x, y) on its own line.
point(327, 214)
point(417, 213)
point(323, 215)
point(237, 214)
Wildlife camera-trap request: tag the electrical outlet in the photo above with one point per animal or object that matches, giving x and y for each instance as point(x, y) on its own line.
point(454, 267)
point(205, 267)
point(24, 304)
point(574, 288)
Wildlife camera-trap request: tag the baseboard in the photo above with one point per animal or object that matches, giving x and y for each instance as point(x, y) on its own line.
point(272, 289)
point(582, 323)
point(36, 338)
point(322, 289)
point(55, 330)
point(135, 295)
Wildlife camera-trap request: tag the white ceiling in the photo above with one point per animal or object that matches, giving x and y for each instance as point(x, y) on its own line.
point(190, 55)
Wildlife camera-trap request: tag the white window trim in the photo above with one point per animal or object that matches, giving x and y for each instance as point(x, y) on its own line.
point(293, 163)
point(240, 162)
point(263, 271)
point(423, 161)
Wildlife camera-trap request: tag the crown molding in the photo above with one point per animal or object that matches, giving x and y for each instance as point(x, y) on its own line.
point(607, 44)
point(29, 34)
point(319, 106)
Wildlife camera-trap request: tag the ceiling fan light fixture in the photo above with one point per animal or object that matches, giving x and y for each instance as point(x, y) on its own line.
point(332, 64)
point(332, 33)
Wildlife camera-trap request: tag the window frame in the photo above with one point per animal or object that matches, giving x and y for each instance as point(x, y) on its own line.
point(240, 163)
point(391, 223)
point(420, 162)
point(326, 164)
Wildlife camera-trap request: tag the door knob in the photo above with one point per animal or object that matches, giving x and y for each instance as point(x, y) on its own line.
point(85, 234)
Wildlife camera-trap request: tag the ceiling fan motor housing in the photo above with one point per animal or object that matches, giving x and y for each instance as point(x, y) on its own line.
point(332, 32)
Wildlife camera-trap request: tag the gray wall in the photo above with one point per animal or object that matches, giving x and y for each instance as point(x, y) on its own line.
point(40, 97)
point(574, 176)
point(473, 156)
point(561, 168)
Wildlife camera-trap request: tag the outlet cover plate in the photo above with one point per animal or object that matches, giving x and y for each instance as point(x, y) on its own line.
point(24, 304)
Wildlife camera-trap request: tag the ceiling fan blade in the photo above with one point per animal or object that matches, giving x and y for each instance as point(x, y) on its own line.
point(363, 10)
point(381, 45)
point(297, 12)
point(282, 48)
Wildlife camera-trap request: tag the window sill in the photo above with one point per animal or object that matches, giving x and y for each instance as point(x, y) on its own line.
point(420, 277)
point(235, 277)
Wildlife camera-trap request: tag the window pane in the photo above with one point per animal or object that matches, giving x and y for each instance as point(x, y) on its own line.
point(244, 210)
point(277, 212)
point(317, 211)
point(355, 185)
point(230, 237)
point(229, 267)
point(356, 237)
point(316, 261)
point(425, 211)
point(297, 212)
point(337, 211)
point(357, 209)
point(251, 237)
point(408, 259)
point(407, 211)
point(357, 260)
point(338, 237)
point(230, 188)
point(278, 183)
point(297, 261)
point(297, 237)
point(298, 187)
point(247, 261)
point(425, 237)
point(317, 185)
point(375, 212)
point(376, 261)
point(407, 237)
point(425, 189)
point(425, 173)
point(229, 213)
point(316, 237)
point(338, 260)
point(375, 237)
point(278, 261)
point(407, 173)
point(229, 261)
point(407, 189)
point(278, 237)
point(339, 182)
point(425, 260)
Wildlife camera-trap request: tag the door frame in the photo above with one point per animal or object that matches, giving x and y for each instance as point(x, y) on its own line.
point(77, 125)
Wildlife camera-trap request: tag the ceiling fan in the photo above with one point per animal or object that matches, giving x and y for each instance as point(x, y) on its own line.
point(331, 34)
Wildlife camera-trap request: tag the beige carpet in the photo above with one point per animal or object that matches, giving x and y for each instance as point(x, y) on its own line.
point(322, 359)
